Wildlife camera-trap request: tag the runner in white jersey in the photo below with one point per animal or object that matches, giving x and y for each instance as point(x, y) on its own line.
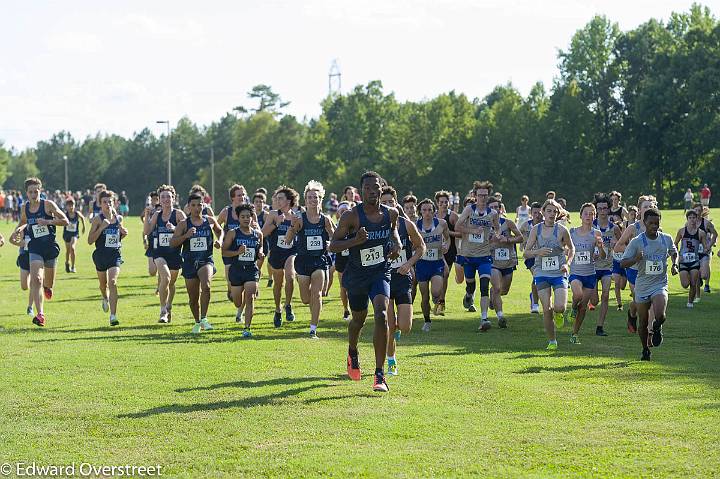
point(536, 218)
point(604, 267)
point(431, 267)
point(522, 212)
point(480, 227)
point(505, 262)
point(688, 241)
point(645, 202)
point(551, 246)
point(589, 248)
point(649, 252)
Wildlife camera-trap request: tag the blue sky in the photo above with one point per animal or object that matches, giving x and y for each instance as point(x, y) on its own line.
point(88, 66)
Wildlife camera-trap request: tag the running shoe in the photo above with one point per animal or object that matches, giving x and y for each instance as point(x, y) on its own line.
point(48, 293)
point(313, 335)
point(645, 354)
point(39, 320)
point(196, 328)
point(502, 322)
point(534, 309)
point(113, 320)
point(485, 325)
point(690, 305)
point(657, 335)
point(379, 383)
point(551, 346)
point(574, 339)
point(631, 323)
point(467, 301)
point(392, 367)
point(30, 311)
point(346, 316)
point(697, 299)
point(426, 327)
point(270, 283)
point(205, 324)
point(472, 309)
point(559, 320)
point(353, 367)
point(277, 319)
point(67, 267)
point(289, 315)
point(163, 318)
point(397, 334)
point(105, 305)
point(239, 317)
point(707, 287)
point(72, 269)
point(246, 333)
point(599, 331)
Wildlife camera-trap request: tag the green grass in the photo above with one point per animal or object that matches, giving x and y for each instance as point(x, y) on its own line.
point(465, 404)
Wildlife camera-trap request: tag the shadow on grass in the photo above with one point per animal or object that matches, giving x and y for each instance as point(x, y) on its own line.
point(573, 367)
point(248, 402)
point(257, 384)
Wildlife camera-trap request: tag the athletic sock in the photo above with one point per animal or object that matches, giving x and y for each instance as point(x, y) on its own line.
point(391, 358)
point(499, 314)
point(352, 352)
point(313, 327)
point(552, 341)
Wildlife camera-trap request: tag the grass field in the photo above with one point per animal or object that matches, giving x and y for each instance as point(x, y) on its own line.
point(465, 403)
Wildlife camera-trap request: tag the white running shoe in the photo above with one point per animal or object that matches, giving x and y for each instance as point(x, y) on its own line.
point(690, 306)
point(697, 299)
point(105, 305)
point(534, 309)
point(426, 327)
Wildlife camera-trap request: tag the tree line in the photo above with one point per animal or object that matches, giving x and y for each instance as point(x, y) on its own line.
point(636, 111)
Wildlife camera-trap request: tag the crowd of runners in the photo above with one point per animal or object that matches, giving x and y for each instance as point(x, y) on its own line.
point(383, 249)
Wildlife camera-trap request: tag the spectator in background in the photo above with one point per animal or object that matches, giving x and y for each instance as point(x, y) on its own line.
point(124, 207)
point(689, 199)
point(349, 194)
point(705, 195)
point(550, 195)
point(331, 205)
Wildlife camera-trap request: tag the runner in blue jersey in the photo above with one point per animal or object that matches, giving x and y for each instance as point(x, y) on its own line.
point(645, 202)
point(341, 261)
point(161, 225)
point(610, 233)
point(95, 207)
point(708, 227)
point(550, 244)
point(442, 199)
point(228, 220)
point(589, 249)
point(243, 245)
point(311, 232)
point(430, 270)
point(71, 233)
point(260, 211)
point(401, 268)
point(649, 252)
point(206, 208)
point(536, 218)
point(282, 254)
point(373, 243)
point(689, 241)
point(107, 233)
point(42, 217)
point(198, 235)
point(150, 240)
point(504, 260)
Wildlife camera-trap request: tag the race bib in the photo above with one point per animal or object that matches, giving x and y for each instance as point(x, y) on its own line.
point(248, 255)
point(72, 227)
point(314, 243)
point(477, 238)
point(198, 243)
point(163, 239)
point(372, 256)
point(689, 257)
point(431, 254)
point(281, 242)
point(618, 256)
point(112, 240)
point(502, 254)
point(550, 263)
point(582, 257)
point(653, 268)
point(40, 230)
point(345, 252)
point(400, 260)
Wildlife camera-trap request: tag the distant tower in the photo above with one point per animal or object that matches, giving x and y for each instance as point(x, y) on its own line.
point(334, 79)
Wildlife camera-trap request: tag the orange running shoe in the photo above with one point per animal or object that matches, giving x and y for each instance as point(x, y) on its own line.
point(379, 383)
point(39, 320)
point(353, 367)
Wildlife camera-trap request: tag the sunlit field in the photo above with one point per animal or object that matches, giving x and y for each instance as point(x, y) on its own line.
point(464, 404)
